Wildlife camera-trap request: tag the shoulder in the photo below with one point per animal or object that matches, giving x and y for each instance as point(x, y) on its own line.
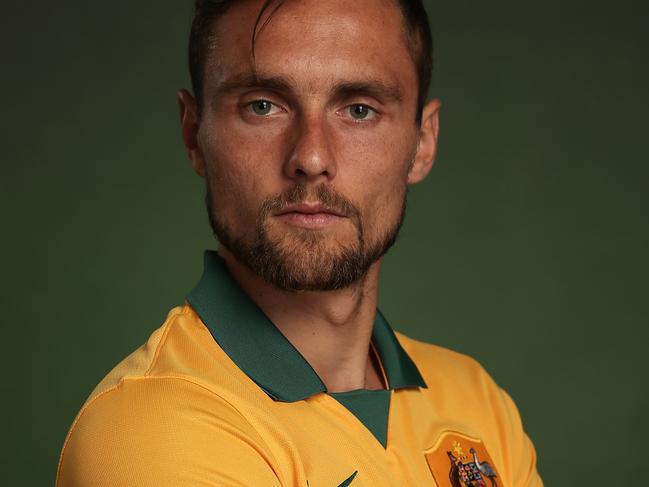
point(466, 398)
point(464, 382)
point(140, 362)
point(437, 363)
point(183, 348)
point(153, 421)
point(159, 431)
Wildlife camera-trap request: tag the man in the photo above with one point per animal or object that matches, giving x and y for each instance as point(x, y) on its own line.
point(308, 123)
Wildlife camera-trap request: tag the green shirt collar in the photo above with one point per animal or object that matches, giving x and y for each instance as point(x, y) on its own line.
point(258, 348)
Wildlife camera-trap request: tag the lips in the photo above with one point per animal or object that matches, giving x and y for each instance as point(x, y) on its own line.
point(308, 209)
point(310, 216)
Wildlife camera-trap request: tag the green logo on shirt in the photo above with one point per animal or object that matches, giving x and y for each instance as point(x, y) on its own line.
point(349, 480)
point(345, 482)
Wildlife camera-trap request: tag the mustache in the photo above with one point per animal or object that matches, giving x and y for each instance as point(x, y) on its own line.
point(321, 194)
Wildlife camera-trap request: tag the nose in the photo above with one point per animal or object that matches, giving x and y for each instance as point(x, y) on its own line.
point(311, 155)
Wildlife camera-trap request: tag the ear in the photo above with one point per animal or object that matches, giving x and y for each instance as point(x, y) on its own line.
point(427, 146)
point(189, 124)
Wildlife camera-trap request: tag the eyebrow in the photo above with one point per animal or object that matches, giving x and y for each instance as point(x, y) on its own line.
point(375, 88)
point(251, 80)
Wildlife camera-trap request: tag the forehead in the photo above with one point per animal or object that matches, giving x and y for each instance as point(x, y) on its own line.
point(314, 42)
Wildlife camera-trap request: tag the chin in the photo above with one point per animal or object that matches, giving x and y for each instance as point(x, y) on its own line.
point(301, 259)
point(314, 263)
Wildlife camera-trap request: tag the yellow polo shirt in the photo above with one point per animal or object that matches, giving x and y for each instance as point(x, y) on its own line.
point(219, 397)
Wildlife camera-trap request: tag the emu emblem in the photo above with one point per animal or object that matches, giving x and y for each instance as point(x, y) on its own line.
point(458, 460)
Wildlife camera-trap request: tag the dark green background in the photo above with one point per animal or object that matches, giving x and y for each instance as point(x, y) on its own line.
point(526, 247)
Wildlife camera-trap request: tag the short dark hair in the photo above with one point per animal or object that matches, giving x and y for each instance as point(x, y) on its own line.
point(207, 12)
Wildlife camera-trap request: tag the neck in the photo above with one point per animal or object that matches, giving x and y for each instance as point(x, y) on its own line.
point(331, 329)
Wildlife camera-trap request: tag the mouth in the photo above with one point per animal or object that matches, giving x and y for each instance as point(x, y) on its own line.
point(311, 216)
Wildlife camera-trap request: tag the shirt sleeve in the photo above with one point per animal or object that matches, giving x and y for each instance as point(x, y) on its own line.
point(521, 450)
point(163, 432)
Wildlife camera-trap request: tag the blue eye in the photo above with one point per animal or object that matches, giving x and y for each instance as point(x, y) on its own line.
point(261, 107)
point(359, 111)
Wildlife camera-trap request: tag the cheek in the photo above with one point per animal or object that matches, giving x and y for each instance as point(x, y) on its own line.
point(235, 182)
point(374, 169)
point(382, 154)
point(384, 210)
point(243, 152)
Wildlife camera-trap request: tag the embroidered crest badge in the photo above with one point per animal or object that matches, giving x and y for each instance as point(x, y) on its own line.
point(458, 460)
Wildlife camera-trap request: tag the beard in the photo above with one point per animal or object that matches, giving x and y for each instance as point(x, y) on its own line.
point(302, 260)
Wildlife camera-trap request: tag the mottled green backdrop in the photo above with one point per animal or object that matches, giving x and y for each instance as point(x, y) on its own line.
point(526, 247)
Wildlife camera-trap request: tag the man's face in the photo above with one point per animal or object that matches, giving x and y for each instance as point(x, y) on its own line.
point(307, 153)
